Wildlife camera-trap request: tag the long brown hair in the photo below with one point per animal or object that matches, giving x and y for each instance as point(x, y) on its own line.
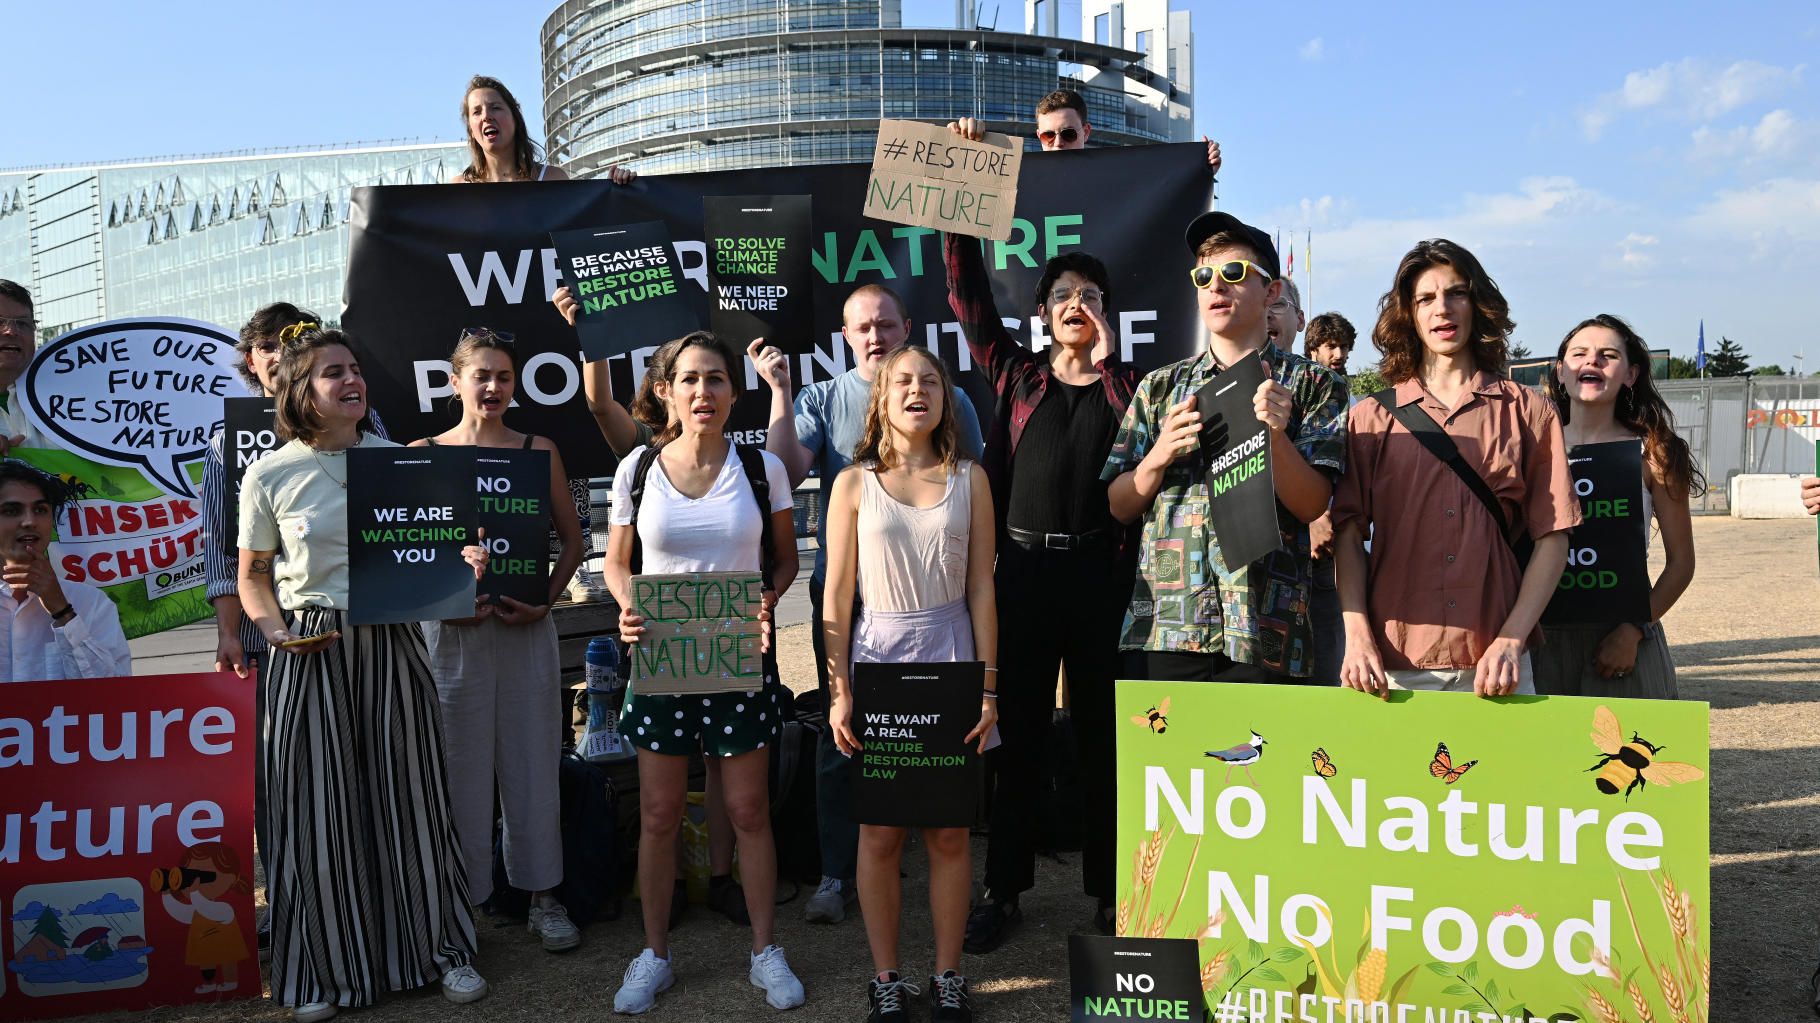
point(652, 410)
point(524, 151)
point(875, 447)
point(1395, 335)
point(1641, 409)
point(297, 417)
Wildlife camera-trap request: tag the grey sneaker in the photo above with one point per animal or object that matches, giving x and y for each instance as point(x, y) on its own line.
point(313, 1012)
point(463, 984)
point(829, 903)
point(646, 978)
point(588, 587)
point(771, 972)
point(552, 925)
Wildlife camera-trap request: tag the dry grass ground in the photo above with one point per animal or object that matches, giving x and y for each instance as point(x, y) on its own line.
point(1746, 639)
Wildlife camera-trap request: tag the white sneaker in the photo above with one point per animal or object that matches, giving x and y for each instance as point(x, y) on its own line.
point(646, 978)
point(771, 972)
point(829, 903)
point(313, 1012)
point(464, 984)
point(552, 925)
point(588, 587)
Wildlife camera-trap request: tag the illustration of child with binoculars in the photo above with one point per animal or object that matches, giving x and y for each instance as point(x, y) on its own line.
point(196, 893)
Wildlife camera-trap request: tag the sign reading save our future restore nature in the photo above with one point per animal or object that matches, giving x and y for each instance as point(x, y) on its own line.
point(1428, 857)
point(702, 633)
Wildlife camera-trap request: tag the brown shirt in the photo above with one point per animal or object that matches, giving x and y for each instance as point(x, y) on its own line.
point(1442, 580)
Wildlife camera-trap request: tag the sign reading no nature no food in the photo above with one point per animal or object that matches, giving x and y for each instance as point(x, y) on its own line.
point(926, 176)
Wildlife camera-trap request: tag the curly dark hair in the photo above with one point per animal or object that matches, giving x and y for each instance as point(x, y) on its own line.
point(1329, 329)
point(1641, 409)
point(1081, 263)
point(1395, 334)
point(12, 470)
point(265, 325)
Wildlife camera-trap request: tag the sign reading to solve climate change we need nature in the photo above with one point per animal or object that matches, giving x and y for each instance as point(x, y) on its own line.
point(927, 176)
point(626, 282)
point(1607, 575)
point(1241, 492)
point(759, 267)
point(1521, 857)
point(702, 633)
point(410, 512)
point(916, 767)
point(514, 504)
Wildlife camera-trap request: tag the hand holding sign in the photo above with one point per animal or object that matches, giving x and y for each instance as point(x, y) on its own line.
point(1179, 435)
point(1273, 404)
point(773, 365)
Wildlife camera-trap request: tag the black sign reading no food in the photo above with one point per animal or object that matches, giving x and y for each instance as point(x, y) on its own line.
point(248, 434)
point(1242, 496)
point(1606, 580)
point(629, 287)
point(1134, 979)
point(514, 498)
point(410, 512)
point(916, 768)
point(759, 267)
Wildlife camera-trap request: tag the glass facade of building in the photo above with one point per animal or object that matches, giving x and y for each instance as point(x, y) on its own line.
point(695, 85)
point(211, 238)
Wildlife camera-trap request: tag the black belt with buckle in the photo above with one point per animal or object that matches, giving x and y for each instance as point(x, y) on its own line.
point(1034, 540)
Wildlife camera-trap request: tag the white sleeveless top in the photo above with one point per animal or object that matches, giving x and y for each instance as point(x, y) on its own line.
point(913, 559)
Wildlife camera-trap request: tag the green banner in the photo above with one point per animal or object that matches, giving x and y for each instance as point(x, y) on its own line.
point(1434, 857)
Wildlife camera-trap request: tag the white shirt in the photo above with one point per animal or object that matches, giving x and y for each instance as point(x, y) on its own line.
point(90, 646)
point(717, 532)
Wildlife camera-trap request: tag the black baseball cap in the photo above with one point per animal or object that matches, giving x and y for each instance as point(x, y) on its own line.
point(1209, 224)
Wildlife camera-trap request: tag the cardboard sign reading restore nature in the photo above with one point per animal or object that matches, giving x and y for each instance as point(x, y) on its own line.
point(702, 633)
point(916, 767)
point(1607, 575)
point(249, 435)
point(1432, 856)
point(1242, 494)
point(410, 512)
point(126, 845)
point(759, 266)
point(627, 282)
point(1133, 979)
point(924, 175)
point(514, 505)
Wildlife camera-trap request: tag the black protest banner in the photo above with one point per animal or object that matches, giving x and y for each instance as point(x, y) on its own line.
point(410, 512)
point(916, 769)
point(702, 633)
point(514, 510)
point(1134, 978)
point(425, 261)
point(627, 282)
point(248, 434)
point(758, 266)
point(1607, 574)
point(1242, 495)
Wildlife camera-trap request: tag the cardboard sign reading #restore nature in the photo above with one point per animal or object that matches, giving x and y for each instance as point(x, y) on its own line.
point(410, 512)
point(627, 282)
point(702, 633)
point(916, 768)
point(924, 175)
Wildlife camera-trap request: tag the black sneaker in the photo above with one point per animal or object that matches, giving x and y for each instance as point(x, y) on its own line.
point(988, 925)
point(727, 898)
point(1102, 918)
point(887, 999)
point(948, 1002)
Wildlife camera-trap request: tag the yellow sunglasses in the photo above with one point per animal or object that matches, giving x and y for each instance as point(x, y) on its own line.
point(1232, 273)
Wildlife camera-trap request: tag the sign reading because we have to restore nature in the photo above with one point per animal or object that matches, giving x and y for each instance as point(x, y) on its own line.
point(702, 633)
point(916, 767)
point(410, 512)
point(1429, 856)
point(927, 176)
point(625, 280)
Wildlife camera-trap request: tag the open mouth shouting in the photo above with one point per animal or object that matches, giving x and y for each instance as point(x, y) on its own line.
point(489, 132)
point(28, 543)
point(917, 409)
point(1444, 332)
point(702, 411)
point(492, 401)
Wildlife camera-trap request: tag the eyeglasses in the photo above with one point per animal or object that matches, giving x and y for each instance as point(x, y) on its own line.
point(1067, 135)
point(269, 346)
point(487, 334)
point(295, 331)
point(1088, 296)
point(1231, 273)
point(18, 324)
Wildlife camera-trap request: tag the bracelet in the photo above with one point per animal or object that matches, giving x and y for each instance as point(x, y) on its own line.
point(993, 670)
point(989, 694)
point(67, 609)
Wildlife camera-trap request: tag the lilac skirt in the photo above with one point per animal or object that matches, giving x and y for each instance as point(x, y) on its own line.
point(895, 637)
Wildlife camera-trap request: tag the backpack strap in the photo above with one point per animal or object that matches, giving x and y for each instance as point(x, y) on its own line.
point(640, 470)
point(1442, 447)
point(752, 460)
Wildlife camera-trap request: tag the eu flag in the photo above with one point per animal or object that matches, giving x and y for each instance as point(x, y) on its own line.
point(1700, 356)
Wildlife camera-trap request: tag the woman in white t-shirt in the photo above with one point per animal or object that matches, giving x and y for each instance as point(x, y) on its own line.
point(697, 513)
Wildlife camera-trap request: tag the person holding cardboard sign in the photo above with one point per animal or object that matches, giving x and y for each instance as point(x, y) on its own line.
point(498, 674)
point(355, 766)
point(1602, 389)
point(910, 523)
point(694, 512)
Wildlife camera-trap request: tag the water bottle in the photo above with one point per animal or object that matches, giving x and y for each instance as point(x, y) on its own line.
point(606, 692)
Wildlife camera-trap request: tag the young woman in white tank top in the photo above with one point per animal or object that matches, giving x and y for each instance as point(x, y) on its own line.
point(910, 523)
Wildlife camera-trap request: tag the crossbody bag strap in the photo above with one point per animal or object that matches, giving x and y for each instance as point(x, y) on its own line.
point(1442, 446)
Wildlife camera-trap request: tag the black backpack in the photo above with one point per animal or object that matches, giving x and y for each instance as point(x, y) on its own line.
point(752, 460)
point(593, 877)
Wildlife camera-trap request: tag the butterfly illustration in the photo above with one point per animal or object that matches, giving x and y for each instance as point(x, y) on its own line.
point(1323, 766)
point(1156, 718)
point(1442, 765)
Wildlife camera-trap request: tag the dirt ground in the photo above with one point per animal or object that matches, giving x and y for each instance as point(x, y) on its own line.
point(1746, 638)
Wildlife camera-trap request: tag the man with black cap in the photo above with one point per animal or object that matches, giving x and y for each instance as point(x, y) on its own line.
point(1189, 618)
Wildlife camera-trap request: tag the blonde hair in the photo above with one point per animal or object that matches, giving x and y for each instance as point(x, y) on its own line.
point(875, 447)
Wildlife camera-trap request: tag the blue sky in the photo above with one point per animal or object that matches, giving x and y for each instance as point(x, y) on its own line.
point(1659, 162)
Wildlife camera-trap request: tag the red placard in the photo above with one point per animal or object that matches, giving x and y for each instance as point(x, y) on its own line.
point(126, 844)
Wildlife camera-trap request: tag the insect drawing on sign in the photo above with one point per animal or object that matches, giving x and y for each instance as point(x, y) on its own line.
point(1323, 764)
point(73, 486)
point(1156, 718)
point(1442, 766)
point(1243, 755)
point(1632, 765)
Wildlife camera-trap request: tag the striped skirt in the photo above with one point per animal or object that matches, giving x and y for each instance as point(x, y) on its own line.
point(365, 881)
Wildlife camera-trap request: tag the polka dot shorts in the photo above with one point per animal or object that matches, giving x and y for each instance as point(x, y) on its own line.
point(721, 724)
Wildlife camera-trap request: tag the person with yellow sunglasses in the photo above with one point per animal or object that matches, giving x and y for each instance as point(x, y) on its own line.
point(1190, 618)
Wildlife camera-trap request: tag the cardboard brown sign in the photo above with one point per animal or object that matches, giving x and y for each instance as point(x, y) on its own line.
point(702, 633)
point(924, 175)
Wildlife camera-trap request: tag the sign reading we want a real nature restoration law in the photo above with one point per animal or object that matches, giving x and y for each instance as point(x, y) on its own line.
point(702, 633)
point(1435, 857)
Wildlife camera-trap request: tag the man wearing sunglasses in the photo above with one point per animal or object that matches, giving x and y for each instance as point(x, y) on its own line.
point(18, 340)
point(1061, 123)
point(1189, 618)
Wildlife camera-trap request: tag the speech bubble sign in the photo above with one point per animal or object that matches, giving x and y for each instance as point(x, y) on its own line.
point(140, 393)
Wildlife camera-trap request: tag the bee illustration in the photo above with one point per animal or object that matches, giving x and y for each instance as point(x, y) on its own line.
point(73, 485)
point(1156, 718)
point(1323, 766)
point(1442, 765)
point(1633, 764)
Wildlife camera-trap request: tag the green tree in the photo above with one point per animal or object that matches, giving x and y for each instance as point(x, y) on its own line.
point(1519, 352)
point(1682, 369)
point(1771, 370)
point(51, 928)
point(1366, 382)
point(1728, 361)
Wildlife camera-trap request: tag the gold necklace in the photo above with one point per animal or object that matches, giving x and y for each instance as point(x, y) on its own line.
point(320, 464)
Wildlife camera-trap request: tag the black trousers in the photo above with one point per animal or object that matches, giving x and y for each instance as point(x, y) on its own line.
point(1055, 609)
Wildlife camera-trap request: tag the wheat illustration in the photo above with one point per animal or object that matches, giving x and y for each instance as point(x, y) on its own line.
point(1124, 923)
point(1214, 922)
point(1671, 992)
point(1607, 1012)
point(1215, 970)
point(1636, 998)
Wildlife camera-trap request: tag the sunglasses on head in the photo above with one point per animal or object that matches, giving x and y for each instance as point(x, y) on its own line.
point(1231, 272)
point(1067, 135)
point(291, 333)
point(488, 334)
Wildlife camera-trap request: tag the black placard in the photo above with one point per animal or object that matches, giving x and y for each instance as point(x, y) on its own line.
point(1607, 575)
point(1242, 496)
point(758, 266)
point(916, 769)
point(630, 287)
point(410, 512)
point(514, 510)
point(1112, 979)
point(247, 436)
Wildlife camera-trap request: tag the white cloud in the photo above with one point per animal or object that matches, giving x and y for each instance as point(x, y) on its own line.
point(1777, 135)
point(1779, 210)
point(1691, 89)
point(1314, 49)
point(1635, 250)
